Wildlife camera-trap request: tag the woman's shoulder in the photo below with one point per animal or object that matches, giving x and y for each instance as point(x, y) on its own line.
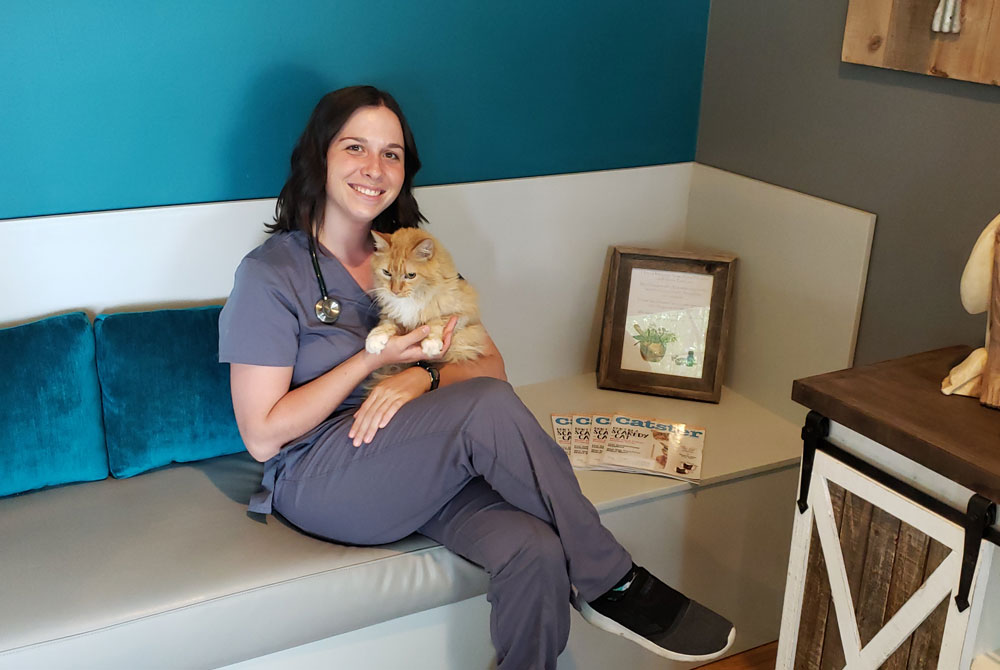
point(280, 248)
point(278, 260)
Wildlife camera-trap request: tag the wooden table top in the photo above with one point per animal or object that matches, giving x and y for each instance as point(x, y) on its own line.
point(899, 404)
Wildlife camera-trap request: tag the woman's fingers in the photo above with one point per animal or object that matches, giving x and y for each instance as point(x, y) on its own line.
point(362, 418)
point(405, 348)
point(449, 329)
point(383, 402)
point(413, 337)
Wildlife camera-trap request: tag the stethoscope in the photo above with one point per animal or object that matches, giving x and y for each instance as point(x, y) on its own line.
point(327, 308)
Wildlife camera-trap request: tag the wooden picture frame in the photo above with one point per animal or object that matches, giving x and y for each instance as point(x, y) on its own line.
point(666, 323)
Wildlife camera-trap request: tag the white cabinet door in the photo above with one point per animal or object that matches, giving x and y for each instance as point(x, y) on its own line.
point(873, 575)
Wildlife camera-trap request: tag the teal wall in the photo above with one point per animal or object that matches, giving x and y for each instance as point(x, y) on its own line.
point(109, 104)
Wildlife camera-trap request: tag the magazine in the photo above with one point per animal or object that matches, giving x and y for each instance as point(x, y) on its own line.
point(626, 443)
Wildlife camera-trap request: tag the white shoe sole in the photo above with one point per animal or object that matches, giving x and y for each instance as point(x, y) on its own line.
point(612, 626)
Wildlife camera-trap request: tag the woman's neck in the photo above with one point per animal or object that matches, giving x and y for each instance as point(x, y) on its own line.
point(352, 245)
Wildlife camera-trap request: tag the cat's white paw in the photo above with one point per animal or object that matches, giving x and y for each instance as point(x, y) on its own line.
point(431, 346)
point(375, 342)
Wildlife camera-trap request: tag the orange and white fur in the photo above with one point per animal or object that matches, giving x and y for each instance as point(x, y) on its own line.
point(416, 284)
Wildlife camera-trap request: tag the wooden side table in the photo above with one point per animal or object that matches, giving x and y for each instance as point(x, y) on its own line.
point(893, 551)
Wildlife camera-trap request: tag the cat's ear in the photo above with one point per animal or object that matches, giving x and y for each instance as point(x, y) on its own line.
point(425, 250)
point(382, 241)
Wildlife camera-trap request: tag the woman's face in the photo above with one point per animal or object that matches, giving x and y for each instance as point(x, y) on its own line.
point(364, 167)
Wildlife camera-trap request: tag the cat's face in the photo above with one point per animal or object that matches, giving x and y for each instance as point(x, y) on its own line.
point(403, 263)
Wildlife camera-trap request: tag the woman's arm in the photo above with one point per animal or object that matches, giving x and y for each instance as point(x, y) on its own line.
point(394, 392)
point(490, 364)
point(269, 415)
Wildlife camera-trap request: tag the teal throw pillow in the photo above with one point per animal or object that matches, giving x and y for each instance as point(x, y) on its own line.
point(50, 405)
point(166, 396)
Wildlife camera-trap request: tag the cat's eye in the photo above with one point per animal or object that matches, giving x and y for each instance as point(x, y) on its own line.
point(386, 272)
point(411, 275)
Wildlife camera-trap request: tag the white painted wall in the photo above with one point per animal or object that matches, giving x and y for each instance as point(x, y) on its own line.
point(126, 259)
point(800, 280)
point(534, 247)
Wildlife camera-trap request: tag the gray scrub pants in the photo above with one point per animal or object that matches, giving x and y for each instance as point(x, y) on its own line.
point(468, 466)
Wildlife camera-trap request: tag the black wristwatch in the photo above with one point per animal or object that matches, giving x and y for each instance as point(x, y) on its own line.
point(432, 371)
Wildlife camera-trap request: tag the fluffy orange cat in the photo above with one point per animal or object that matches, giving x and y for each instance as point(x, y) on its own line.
point(416, 284)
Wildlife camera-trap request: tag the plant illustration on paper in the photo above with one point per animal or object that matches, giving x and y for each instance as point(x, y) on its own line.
point(653, 342)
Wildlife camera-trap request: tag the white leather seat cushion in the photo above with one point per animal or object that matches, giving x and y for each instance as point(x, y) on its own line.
point(167, 569)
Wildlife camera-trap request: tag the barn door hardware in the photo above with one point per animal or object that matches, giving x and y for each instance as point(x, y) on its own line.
point(980, 515)
point(815, 429)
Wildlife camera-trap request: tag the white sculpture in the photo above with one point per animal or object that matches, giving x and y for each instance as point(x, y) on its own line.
point(947, 17)
point(979, 374)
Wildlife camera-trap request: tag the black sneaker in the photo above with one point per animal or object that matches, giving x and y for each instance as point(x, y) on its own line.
point(666, 622)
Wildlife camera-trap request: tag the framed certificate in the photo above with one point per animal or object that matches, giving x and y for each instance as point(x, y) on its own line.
point(666, 322)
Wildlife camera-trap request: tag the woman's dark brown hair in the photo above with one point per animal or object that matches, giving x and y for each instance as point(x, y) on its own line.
point(302, 198)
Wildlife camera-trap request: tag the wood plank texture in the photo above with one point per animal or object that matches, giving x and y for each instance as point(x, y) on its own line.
point(758, 658)
point(991, 58)
point(896, 34)
point(877, 574)
point(886, 562)
point(926, 645)
point(817, 606)
point(961, 56)
point(854, 526)
point(867, 31)
point(899, 404)
point(912, 19)
point(907, 576)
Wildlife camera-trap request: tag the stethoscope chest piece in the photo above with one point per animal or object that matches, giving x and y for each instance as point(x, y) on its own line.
point(327, 310)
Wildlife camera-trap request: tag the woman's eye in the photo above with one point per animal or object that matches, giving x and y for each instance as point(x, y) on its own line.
point(355, 148)
point(392, 155)
point(411, 275)
point(386, 273)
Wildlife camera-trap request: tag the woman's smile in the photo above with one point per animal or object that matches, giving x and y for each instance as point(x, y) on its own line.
point(368, 191)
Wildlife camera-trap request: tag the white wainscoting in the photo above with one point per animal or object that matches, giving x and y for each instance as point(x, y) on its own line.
point(800, 280)
point(535, 248)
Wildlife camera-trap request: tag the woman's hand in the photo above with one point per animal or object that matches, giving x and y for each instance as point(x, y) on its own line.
point(393, 392)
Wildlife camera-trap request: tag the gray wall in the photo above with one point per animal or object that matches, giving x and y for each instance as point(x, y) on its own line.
point(922, 153)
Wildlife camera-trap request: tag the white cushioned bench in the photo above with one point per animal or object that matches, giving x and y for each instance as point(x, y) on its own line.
point(170, 567)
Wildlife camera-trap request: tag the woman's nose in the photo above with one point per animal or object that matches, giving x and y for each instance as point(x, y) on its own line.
point(372, 167)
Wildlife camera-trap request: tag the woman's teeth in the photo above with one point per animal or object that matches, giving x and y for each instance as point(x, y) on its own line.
point(366, 191)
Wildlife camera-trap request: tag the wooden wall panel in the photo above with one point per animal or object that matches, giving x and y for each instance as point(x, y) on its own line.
point(877, 574)
point(908, 43)
point(926, 640)
point(886, 562)
point(854, 529)
point(896, 34)
point(817, 607)
point(907, 576)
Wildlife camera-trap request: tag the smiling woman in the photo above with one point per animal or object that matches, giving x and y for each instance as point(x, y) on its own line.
point(364, 170)
point(467, 464)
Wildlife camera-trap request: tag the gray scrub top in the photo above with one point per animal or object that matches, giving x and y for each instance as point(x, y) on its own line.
point(270, 319)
